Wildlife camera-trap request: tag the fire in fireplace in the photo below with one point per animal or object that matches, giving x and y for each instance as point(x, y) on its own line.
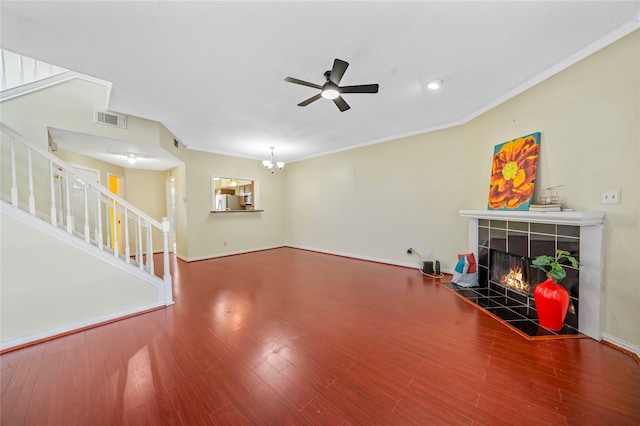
point(510, 270)
point(515, 279)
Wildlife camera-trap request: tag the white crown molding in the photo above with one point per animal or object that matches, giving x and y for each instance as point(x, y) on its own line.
point(382, 140)
point(535, 80)
point(599, 44)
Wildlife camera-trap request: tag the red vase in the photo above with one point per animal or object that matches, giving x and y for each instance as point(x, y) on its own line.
point(552, 302)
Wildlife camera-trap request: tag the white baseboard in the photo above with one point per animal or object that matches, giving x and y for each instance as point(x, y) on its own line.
point(229, 253)
point(413, 265)
point(335, 253)
point(75, 326)
point(621, 344)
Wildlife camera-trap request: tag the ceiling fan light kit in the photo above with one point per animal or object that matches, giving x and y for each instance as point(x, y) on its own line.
point(330, 93)
point(435, 84)
point(331, 89)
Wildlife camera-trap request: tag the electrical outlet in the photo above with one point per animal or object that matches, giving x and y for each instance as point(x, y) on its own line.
point(610, 197)
point(430, 254)
point(224, 243)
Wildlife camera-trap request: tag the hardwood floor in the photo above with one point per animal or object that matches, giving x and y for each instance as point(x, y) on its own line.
point(291, 337)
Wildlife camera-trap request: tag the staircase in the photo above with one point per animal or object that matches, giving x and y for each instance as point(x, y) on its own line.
point(20, 75)
point(37, 184)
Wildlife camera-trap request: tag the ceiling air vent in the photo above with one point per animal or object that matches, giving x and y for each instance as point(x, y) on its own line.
point(110, 119)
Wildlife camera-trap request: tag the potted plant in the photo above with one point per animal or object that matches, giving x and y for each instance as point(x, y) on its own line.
point(552, 299)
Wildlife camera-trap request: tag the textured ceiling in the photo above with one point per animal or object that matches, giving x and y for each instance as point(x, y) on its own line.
point(212, 72)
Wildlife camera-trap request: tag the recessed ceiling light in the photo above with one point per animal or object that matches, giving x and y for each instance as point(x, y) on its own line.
point(435, 84)
point(131, 157)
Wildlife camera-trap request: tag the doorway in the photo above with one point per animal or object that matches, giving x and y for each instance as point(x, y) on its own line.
point(115, 226)
point(171, 212)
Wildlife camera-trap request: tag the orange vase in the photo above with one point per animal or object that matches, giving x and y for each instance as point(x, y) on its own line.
point(552, 302)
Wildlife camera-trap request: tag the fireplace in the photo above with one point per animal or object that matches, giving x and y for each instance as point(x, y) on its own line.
point(512, 271)
point(505, 243)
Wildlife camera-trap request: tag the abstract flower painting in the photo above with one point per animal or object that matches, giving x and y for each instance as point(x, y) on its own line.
point(513, 173)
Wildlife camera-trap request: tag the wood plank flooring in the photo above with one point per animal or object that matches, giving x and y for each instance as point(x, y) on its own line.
point(291, 337)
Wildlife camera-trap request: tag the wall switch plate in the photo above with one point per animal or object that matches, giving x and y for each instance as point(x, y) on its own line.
point(610, 197)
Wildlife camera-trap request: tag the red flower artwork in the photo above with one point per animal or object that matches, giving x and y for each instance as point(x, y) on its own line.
point(513, 173)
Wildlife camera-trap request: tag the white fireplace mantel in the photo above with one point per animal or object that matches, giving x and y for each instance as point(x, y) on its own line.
point(592, 296)
point(559, 218)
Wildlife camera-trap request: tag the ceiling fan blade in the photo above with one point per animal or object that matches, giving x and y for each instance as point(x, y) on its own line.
point(311, 99)
point(304, 83)
point(341, 104)
point(339, 67)
point(362, 88)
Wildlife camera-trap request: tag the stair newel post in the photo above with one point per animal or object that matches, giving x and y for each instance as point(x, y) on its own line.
point(52, 181)
point(147, 227)
point(168, 290)
point(32, 198)
point(99, 221)
point(127, 249)
point(14, 179)
point(87, 230)
point(67, 199)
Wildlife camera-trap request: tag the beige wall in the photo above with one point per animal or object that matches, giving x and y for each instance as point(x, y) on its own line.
point(377, 201)
point(179, 174)
point(588, 116)
point(49, 286)
point(182, 228)
point(105, 169)
point(146, 189)
point(70, 106)
point(242, 231)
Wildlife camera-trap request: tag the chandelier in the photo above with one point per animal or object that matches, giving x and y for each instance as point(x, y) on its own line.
point(270, 164)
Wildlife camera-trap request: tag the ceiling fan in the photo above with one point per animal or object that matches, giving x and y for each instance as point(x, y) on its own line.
point(331, 90)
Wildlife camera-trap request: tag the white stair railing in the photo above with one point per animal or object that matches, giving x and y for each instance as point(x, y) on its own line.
point(17, 70)
point(44, 186)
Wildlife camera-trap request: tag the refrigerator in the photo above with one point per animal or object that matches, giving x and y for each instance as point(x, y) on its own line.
point(227, 202)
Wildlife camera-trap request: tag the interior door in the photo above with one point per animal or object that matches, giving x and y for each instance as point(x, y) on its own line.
point(171, 212)
point(116, 185)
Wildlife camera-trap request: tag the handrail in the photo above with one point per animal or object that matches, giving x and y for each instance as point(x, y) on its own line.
point(66, 166)
point(63, 179)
